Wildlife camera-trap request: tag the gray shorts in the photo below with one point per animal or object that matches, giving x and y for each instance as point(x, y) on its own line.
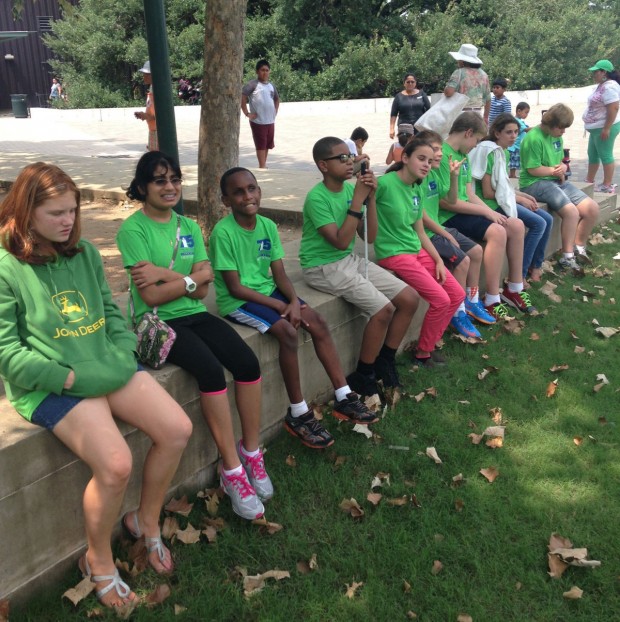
point(346, 278)
point(452, 255)
point(555, 194)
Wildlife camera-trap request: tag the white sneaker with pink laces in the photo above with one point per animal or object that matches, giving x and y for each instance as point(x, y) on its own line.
point(245, 502)
point(255, 468)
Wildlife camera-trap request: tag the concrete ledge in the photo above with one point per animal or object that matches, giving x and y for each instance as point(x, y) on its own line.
point(42, 482)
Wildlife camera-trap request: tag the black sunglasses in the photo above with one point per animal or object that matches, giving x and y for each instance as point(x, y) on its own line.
point(343, 157)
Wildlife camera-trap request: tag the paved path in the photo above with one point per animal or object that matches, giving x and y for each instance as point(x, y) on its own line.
point(99, 149)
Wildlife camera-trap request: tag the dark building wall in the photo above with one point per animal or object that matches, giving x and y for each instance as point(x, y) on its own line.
point(29, 72)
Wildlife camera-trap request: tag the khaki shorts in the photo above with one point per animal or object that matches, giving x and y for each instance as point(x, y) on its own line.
point(345, 278)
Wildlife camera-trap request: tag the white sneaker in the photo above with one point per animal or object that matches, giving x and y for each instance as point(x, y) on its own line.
point(608, 188)
point(255, 469)
point(243, 497)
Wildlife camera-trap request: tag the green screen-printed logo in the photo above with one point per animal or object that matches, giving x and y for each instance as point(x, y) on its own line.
point(71, 305)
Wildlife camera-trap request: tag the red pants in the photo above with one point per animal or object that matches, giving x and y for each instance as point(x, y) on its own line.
point(418, 271)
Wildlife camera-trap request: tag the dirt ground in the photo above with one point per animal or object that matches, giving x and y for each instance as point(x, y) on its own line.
point(101, 220)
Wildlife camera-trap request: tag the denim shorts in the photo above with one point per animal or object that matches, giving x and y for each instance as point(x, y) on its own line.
point(55, 407)
point(554, 194)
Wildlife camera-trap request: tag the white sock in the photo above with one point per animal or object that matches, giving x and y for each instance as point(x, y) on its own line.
point(297, 410)
point(342, 392)
point(472, 294)
point(580, 249)
point(461, 308)
point(249, 454)
point(236, 471)
point(491, 299)
point(515, 287)
point(568, 255)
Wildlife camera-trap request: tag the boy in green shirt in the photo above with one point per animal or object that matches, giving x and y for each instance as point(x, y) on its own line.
point(543, 176)
point(253, 288)
point(332, 216)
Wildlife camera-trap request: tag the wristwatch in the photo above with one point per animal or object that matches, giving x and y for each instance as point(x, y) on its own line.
point(190, 284)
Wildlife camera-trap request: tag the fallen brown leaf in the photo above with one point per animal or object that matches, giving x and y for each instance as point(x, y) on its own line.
point(491, 474)
point(406, 587)
point(380, 479)
point(374, 497)
point(607, 331)
point(459, 504)
point(74, 594)
point(556, 541)
point(475, 438)
point(362, 429)
point(412, 615)
point(179, 506)
point(431, 452)
point(534, 337)
point(169, 527)
point(495, 443)
point(420, 396)
point(562, 367)
point(431, 391)
point(179, 609)
point(352, 588)
point(495, 430)
point(577, 440)
point(255, 583)
point(303, 567)
point(398, 501)
point(5, 605)
point(212, 502)
point(189, 535)
point(266, 527)
point(464, 617)
point(158, 595)
point(217, 523)
point(556, 566)
point(339, 461)
point(574, 593)
point(437, 567)
point(602, 420)
point(551, 388)
point(497, 415)
point(291, 461)
point(579, 350)
point(210, 533)
point(458, 480)
point(352, 507)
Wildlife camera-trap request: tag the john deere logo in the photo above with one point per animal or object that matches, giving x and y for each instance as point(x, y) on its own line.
point(71, 305)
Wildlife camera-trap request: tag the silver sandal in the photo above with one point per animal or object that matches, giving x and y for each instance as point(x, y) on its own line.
point(152, 544)
point(122, 589)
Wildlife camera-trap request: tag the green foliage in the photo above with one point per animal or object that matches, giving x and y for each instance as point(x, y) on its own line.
point(345, 48)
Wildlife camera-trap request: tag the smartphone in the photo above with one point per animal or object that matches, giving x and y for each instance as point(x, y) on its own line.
point(364, 167)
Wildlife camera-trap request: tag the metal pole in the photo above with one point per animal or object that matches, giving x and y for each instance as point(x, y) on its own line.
point(157, 40)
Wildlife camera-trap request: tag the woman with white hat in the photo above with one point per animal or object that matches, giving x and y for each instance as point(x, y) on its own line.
point(149, 114)
point(469, 79)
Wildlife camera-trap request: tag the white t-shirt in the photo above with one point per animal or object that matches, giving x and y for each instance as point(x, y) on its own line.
point(351, 145)
point(595, 114)
point(261, 97)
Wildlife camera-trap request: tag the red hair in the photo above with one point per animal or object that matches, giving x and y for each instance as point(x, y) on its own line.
point(36, 184)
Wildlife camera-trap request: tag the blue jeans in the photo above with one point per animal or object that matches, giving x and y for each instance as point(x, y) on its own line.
point(539, 224)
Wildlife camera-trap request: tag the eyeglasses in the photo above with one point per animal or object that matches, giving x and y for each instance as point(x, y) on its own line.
point(343, 157)
point(162, 182)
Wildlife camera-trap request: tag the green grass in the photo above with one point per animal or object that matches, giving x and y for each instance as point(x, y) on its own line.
point(547, 484)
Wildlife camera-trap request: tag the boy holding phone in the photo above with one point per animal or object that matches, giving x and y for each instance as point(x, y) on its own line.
point(332, 216)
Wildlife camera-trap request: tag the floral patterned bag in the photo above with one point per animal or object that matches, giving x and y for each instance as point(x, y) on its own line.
point(155, 337)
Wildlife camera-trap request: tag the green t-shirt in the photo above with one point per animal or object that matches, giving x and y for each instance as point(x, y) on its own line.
point(399, 206)
point(464, 176)
point(323, 207)
point(492, 203)
point(539, 149)
point(250, 253)
point(142, 239)
point(434, 188)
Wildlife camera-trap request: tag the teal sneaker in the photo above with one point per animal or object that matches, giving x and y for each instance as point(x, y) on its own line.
point(478, 312)
point(461, 324)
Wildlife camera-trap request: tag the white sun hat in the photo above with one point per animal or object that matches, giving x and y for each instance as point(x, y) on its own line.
point(467, 53)
point(146, 68)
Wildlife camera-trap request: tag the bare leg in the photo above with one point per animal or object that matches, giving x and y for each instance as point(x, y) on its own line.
point(515, 233)
point(249, 402)
point(475, 262)
point(588, 212)
point(143, 403)
point(90, 432)
point(261, 155)
point(495, 238)
point(216, 411)
point(608, 173)
point(592, 171)
point(406, 303)
point(568, 228)
point(460, 272)
point(374, 334)
point(287, 338)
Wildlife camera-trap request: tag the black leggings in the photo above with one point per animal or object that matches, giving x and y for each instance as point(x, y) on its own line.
point(204, 344)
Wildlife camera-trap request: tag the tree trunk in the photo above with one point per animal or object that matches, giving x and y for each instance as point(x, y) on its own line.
point(218, 143)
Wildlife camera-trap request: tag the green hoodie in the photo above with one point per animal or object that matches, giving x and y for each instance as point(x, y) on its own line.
point(57, 317)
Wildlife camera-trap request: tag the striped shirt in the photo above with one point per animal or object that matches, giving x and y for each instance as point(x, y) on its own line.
point(498, 106)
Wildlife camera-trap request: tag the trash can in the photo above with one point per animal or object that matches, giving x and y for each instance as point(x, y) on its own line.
point(19, 103)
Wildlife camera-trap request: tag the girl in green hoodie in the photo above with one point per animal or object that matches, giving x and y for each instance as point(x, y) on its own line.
point(68, 364)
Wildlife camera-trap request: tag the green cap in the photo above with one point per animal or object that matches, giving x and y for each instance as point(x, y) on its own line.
point(603, 65)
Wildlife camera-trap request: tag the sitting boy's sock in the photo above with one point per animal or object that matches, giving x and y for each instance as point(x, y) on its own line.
point(366, 369)
point(342, 392)
point(472, 294)
point(515, 287)
point(568, 255)
point(580, 249)
point(491, 299)
point(297, 410)
point(461, 308)
point(387, 353)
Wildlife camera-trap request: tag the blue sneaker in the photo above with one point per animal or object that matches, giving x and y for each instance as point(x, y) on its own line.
point(478, 312)
point(463, 326)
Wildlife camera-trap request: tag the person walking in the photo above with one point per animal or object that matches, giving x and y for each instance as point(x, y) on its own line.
point(149, 113)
